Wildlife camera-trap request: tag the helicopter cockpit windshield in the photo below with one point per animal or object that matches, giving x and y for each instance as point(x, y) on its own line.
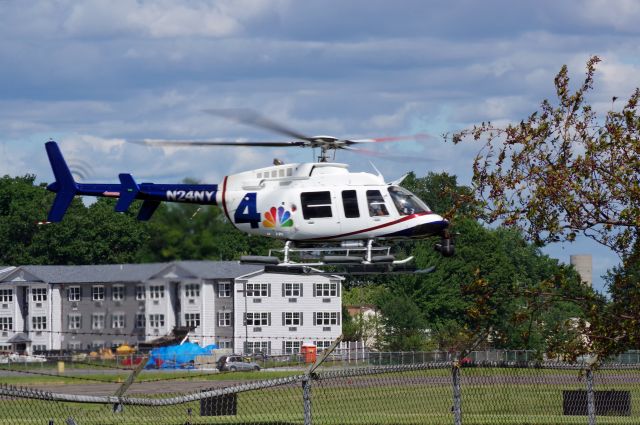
point(406, 202)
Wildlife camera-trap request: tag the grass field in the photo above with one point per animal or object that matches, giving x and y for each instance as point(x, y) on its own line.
point(489, 396)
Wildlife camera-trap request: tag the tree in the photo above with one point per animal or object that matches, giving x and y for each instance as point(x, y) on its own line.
point(88, 235)
point(565, 171)
point(403, 324)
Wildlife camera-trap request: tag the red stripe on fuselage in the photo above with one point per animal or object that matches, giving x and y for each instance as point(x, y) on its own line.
point(380, 226)
point(224, 201)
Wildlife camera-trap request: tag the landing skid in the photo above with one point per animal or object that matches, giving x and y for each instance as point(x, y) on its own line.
point(355, 259)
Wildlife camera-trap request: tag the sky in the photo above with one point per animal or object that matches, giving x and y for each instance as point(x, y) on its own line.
point(94, 74)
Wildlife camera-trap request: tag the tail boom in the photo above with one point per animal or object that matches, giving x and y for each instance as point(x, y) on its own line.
point(126, 191)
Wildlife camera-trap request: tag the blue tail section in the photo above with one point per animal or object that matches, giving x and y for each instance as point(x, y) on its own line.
point(126, 191)
point(65, 187)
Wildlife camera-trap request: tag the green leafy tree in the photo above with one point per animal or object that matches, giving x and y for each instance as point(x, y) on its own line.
point(403, 324)
point(565, 171)
point(87, 235)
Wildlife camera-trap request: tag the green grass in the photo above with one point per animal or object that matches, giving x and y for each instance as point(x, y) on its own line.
point(397, 398)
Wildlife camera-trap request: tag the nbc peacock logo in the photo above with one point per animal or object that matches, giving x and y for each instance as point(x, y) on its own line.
point(277, 217)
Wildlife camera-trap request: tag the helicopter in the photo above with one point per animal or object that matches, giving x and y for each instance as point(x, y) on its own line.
point(325, 214)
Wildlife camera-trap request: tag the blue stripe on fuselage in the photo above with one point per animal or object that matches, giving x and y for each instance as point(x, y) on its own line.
point(204, 194)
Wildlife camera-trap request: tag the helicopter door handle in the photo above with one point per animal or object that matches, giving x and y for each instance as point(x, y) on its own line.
point(310, 222)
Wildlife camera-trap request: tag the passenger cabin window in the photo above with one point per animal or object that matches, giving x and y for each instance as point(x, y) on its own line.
point(350, 203)
point(316, 204)
point(377, 207)
point(406, 202)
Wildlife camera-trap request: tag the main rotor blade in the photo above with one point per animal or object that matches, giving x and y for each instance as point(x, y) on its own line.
point(419, 136)
point(212, 143)
point(252, 118)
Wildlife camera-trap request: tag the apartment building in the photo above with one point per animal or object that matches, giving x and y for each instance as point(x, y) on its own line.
point(277, 313)
point(79, 308)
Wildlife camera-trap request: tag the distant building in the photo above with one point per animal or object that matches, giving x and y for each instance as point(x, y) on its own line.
point(80, 308)
point(584, 266)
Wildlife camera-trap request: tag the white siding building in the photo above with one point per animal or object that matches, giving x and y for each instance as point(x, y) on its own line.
point(277, 313)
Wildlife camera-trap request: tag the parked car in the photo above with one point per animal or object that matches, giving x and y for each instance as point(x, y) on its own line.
point(235, 362)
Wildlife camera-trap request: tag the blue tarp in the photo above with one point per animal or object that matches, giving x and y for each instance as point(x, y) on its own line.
point(177, 356)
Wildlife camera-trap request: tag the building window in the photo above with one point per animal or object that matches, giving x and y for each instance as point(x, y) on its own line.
point(224, 343)
point(6, 323)
point(140, 292)
point(377, 207)
point(326, 289)
point(192, 320)
point(97, 345)
point(75, 321)
point(224, 289)
point(257, 319)
point(291, 347)
point(117, 320)
point(117, 292)
point(156, 320)
point(39, 294)
point(316, 204)
point(74, 345)
point(39, 348)
point(292, 318)
point(326, 318)
point(257, 347)
point(73, 293)
point(140, 321)
point(39, 322)
point(258, 290)
point(192, 290)
point(156, 292)
point(6, 295)
point(97, 321)
point(97, 293)
point(224, 318)
point(292, 290)
point(323, 345)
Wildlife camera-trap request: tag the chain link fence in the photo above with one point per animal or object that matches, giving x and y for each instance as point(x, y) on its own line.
point(422, 393)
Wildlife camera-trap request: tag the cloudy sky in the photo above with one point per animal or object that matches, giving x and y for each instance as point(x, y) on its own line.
point(93, 74)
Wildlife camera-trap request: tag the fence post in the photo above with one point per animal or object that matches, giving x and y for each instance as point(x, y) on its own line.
point(457, 397)
point(306, 399)
point(591, 401)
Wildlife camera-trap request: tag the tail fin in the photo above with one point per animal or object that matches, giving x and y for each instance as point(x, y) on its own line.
point(65, 187)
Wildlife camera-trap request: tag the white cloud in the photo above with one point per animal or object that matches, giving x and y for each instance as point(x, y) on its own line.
point(622, 15)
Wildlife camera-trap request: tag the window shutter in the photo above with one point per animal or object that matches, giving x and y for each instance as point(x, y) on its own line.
point(301, 286)
point(301, 316)
point(244, 319)
point(283, 348)
point(268, 290)
point(314, 289)
point(269, 318)
point(245, 289)
point(268, 347)
point(283, 319)
point(338, 318)
point(283, 290)
point(244, 347)
point(315, 322)
point(338, 286)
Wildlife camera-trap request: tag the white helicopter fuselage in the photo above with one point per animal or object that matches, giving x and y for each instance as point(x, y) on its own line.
point(323, 202)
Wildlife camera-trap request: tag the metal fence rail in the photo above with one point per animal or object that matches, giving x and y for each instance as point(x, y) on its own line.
point(425, 393)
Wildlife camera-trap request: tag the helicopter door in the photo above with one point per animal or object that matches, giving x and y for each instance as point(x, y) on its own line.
point(377, 207)
point(317, 213)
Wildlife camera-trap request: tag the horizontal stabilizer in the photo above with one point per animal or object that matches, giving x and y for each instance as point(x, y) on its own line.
point(128, 192)
point(147, 209)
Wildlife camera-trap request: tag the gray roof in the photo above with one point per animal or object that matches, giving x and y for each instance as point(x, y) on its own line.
point(132, 272)
point(19, 338)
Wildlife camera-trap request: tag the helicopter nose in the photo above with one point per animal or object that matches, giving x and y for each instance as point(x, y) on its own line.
point(431, 228)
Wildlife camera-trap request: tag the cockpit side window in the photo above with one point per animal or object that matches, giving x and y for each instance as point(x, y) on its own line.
point(377, 207)
point(406, 202)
